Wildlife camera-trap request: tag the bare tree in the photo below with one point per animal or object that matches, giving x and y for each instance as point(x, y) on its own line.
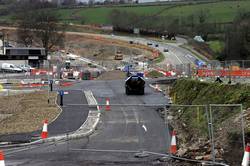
point(46, 28)
point(40, 25)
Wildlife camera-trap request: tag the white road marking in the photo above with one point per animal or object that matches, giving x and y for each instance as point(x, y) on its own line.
point(145, 128)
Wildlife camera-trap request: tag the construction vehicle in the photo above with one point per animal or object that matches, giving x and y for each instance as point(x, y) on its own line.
point(135, 84)
point(118, 55)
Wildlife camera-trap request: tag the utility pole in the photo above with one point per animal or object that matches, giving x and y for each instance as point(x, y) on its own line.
point(48, 57)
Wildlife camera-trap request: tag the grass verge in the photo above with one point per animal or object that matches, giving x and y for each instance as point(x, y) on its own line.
point(27, 112)
point(154, 74)
point(216, 45)
point(160, 58)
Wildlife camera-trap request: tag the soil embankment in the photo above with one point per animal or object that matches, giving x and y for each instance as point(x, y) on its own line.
point(192, 122)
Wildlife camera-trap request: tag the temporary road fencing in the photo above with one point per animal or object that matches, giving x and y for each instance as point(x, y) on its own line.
point(199, 129)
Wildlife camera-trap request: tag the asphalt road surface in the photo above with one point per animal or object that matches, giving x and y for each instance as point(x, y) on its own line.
point(121, 132)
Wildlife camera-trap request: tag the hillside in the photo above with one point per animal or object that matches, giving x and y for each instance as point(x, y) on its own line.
point(196, 92)
point(221, 12)
point(192, 122)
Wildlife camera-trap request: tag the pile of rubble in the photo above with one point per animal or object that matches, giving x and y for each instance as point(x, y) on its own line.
point(200, 151)
point(190, 146)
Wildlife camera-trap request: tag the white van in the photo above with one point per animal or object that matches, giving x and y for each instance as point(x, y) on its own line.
point(7, 67)
point(25, 67)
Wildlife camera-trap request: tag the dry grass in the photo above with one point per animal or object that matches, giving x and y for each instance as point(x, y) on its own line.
point(28, 112)
point(112, 75)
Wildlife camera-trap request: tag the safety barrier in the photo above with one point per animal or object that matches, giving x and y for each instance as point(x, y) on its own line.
point(213, 73)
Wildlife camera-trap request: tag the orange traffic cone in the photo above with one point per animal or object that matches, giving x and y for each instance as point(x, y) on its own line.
point(2, 163)
point(157, 87)
point(44, 133)
point(107, 105)
point(173, 147)
point(245, 161)
point(99, 108)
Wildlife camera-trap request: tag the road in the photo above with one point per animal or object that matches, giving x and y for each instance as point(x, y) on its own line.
point(175, 56)
point(120, 133)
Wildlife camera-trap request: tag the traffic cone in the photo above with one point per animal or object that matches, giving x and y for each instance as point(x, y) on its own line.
point(107, 105)
point(44, 133)
point(245, 161)
point(173, 147)
point(99, 108)
point(2, 163)
point(157, 88)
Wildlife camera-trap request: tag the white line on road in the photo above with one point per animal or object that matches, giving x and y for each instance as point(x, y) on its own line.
point(145, 128)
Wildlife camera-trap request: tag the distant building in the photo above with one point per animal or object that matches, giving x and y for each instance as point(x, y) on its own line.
point(27, 55)
point(33, 56)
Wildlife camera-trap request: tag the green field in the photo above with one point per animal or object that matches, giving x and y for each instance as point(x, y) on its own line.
point(101, 15)
point(220, 11)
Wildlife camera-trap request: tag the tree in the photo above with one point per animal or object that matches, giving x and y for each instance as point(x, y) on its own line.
point(25, 36)
point(237, 46)
point(46, 28)
point(203, 27)
point(69, 2)
point(40, 25)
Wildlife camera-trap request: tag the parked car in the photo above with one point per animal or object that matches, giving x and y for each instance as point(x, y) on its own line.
point(8, 67)
point(25, 67)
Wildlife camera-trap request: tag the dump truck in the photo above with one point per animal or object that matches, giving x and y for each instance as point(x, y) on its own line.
point(135, 84)
point(118, 55)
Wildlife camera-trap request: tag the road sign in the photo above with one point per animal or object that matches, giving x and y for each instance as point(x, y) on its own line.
point(61, 92)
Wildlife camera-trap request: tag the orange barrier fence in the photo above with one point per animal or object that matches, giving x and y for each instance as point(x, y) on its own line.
point(32, 85)
point(40, 72)
point(208, 73)
point(65, 84)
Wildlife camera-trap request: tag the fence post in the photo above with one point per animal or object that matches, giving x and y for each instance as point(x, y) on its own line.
point(208, 124)
point(166, 123)
point(212, 132)
point(242, 126)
